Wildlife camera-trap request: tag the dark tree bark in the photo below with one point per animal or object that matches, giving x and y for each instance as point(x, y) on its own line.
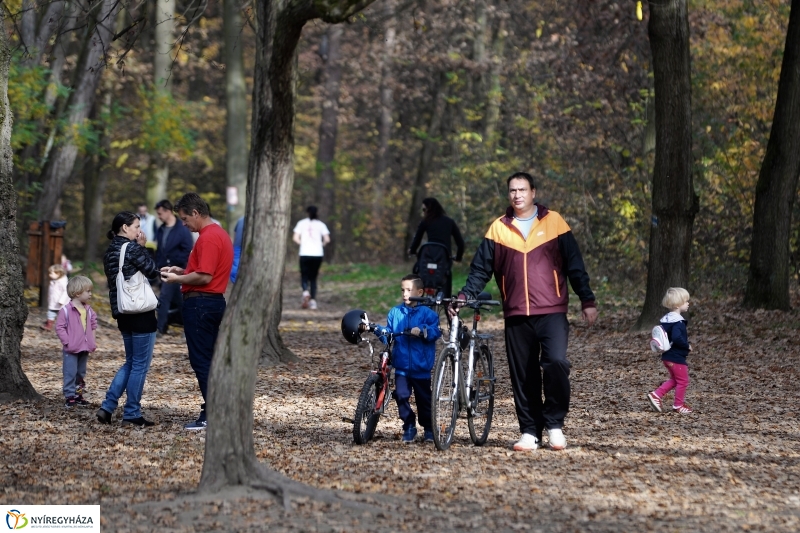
point(60, 162)
point(328, 128)
point(230, 454)
point(386, 113)
point(13, 311)
point(768, 282)
point(674, 200)
point(429, 145)
point(236, 107)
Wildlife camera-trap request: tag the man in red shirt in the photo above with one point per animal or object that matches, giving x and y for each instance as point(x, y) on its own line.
point(203, 283)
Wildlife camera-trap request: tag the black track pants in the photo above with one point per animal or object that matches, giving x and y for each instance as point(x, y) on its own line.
point(533, 342)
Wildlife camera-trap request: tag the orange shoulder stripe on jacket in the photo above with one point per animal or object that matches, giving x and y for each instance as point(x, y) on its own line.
point(542, 231)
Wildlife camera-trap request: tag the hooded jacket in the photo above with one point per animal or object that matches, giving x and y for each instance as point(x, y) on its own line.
point(675, 327)
point(412, 356)
point(137, 258)
point(531, 273)
point(70, 330)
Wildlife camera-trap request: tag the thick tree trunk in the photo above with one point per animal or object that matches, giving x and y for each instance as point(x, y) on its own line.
point(328, 127)
point(230, 454)
point(59, 165)
point(386, 113)
point(236, 106)
point(13, 311)
point(768, 282)
point(674, 200)
point(162, 82)
point(37, 28)
point(429, 145)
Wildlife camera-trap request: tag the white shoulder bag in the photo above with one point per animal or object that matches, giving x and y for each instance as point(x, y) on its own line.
point(135, 295)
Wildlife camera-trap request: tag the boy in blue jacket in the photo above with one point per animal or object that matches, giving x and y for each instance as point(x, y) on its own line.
point(413, 356)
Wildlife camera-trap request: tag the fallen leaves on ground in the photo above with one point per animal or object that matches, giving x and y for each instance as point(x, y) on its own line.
point(734, 464)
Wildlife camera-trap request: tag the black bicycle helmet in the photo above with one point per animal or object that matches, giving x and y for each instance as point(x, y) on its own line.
point(350, 322)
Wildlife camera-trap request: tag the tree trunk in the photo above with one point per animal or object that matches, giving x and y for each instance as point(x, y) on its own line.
point(328, 127)
point(96, 189)
point(385, 117)
point(13, 311)
point(768, 282)
point(59, 165)
point(429, 145)
point(162, 82)
point(495, 96)
point(674, 200)
point(236, 106)
point(36, 34)
point(275, 351)
point(229, 454)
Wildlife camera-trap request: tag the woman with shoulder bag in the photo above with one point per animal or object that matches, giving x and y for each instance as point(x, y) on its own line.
point(135, 313)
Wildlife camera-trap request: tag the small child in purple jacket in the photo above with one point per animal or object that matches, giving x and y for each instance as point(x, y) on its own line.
point(75, 329)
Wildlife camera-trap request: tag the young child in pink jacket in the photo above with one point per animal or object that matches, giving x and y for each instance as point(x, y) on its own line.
point(75, 328)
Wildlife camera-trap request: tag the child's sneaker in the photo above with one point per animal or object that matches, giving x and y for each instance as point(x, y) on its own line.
point(71, 402)
point(683, 409)
point(428, 435)
point(655, 401)
point(409, 435)
point(306, 298)
point(80, 402)
point(312, 304)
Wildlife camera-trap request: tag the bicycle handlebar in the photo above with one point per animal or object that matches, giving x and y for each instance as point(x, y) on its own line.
point(439, 300)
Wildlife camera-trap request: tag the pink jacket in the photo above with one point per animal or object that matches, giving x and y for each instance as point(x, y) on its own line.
point(70, 330)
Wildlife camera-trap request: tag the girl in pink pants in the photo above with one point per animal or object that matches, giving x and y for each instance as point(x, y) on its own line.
point(674, 359)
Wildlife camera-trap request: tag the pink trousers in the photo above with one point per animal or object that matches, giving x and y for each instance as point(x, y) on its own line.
point(678, 380)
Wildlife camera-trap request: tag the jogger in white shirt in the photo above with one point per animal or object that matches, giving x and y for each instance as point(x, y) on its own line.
point(312, 235)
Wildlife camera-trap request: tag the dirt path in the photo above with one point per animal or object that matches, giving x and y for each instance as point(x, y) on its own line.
point(733, 465)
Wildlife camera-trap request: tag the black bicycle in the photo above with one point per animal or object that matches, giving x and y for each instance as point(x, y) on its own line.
point(463, 385)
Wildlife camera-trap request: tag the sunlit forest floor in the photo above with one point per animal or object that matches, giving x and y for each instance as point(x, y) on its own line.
point(734, 464)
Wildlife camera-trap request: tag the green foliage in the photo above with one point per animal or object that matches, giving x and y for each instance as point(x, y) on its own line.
point(163, 122)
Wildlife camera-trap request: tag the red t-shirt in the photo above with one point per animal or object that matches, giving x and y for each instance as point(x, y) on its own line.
point(212, 254)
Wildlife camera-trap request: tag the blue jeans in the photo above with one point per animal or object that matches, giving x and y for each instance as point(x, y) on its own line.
point(202, 317)
point(170, 293)
point(131, 376)
point(73, 368)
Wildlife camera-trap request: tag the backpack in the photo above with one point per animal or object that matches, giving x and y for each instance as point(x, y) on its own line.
point(659, 342)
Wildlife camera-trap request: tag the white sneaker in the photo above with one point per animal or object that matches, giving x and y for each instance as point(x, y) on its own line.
point(312, 304)
point(306, 298)
point(527, 443)
point(557, 439)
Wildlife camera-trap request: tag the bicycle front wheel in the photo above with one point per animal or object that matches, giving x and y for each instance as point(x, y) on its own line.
point(481, 397)
point(367, 411)
point(444, 407)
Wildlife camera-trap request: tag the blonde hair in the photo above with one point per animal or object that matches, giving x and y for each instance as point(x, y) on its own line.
point(58, 269)
point(77, 285)
point(675, 297)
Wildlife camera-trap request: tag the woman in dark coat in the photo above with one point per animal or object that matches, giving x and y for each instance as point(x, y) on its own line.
point(138, 330)
point(440, 229)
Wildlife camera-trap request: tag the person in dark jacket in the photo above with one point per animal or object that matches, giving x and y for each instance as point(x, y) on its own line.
point(674, 359)
point(413, 356)
point(439, 229)
point(238, 234)
point(138, 329)
point(531, 252)
point(174, 244)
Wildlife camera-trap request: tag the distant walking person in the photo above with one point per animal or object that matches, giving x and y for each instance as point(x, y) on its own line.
point(674, 359)
point(203, 283)
point(174, 244)
point(440, 229)
point(57, 296)
point(138, 329)
point(312, 235)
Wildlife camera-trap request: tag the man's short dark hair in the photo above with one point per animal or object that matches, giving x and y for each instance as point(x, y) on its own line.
point(164, 204)
point(191, 201)
point(415, 279)
point(521, 175)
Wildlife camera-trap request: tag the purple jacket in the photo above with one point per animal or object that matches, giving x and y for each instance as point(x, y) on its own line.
point(70, 330)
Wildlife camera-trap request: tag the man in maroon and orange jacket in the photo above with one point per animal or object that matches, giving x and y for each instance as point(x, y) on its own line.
point(531, 252)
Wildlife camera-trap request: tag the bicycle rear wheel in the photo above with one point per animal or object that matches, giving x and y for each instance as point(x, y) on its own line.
point(366, 418)
point(444, 405)
point(482, 396)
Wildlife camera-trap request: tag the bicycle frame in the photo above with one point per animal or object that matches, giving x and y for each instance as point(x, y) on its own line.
point(384, 370)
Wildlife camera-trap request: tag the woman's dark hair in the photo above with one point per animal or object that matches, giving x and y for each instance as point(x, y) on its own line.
point(312, 211)
point(122, 219)
point(433, 209)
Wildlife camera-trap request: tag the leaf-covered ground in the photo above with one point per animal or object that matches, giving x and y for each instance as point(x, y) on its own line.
point(732, 465)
